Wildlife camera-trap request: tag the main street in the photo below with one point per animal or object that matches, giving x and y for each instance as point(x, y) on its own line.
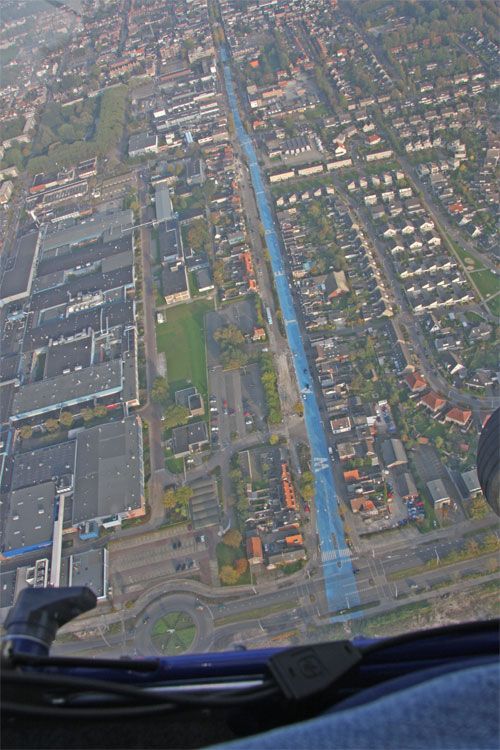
point(224, 617)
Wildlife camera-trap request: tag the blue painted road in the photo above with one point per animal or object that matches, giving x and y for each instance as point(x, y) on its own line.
point(340, 585)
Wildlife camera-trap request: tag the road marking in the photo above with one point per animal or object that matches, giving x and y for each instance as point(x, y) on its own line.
point(342, 554)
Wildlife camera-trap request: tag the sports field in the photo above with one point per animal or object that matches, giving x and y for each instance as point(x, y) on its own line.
point(182, 339)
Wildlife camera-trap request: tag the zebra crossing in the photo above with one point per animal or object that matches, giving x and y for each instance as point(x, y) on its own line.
point(320, 462)
point(342, 554)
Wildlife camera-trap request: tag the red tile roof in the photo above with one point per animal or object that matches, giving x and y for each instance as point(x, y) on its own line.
point(415, 381)
point(459, 416)
point(432, 401)
point(254, 547)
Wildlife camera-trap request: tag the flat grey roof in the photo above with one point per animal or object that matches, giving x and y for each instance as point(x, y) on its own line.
point(182, 397)
point(74, 288)
point(163, 203)
point(109, 473)
point(130, 377)
point(141, 141)
point(471, 481)
point(66, 258)
point(438, 490)
point(16, 271)
point(71, 354)
point(43, 464)
point(6, 399)
point(187, 435)
point(174, 280)
point(64, 390)
point(86, 569)
point(31, 517)
point(204, 279)
point(110, 315)
point(106, 226)
point(170, 240)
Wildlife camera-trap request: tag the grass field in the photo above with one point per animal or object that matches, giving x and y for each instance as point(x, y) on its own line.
point(471, 262)
point(487, 282)
point(182, 339)
point(494, 306)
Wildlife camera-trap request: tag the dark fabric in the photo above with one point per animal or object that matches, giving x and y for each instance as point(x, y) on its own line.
point(455, 711)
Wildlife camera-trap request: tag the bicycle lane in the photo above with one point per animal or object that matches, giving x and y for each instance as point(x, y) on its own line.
point(340, 585)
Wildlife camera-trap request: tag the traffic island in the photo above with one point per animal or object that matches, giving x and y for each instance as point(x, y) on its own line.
point(173, 633)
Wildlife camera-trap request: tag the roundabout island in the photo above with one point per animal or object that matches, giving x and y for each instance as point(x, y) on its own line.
point(173, 625)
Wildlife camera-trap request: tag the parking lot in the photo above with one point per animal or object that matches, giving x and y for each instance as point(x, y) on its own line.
point(236, 397)
point(160, 555)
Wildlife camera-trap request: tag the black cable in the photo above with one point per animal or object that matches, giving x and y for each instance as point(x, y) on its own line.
point(162, 702)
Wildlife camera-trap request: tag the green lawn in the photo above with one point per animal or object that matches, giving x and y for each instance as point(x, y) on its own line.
point(487, 282)
point(494, 306)
point(173, 633)
point(182, 339)
point(175, 465)
point(470, 261)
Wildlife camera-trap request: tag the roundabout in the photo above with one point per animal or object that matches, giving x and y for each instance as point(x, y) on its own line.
point(172, 625)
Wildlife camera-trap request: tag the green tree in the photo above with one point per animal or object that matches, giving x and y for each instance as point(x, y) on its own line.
point(87, 414)
point(66, 133)
point(479, 508)
point(183, 495)
point(100, 411)
point(159, 391)
point(299, 408)
point(228, 575)
point(26, 431)
point(51, 425)
point(66, 419)
point(241, 565)
point(169, 499)
point(232, 358)
point(307, 486)
point(274, 439)
point(198, 235)
point(232, 538)
point(175, 415)
point(230, 334)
